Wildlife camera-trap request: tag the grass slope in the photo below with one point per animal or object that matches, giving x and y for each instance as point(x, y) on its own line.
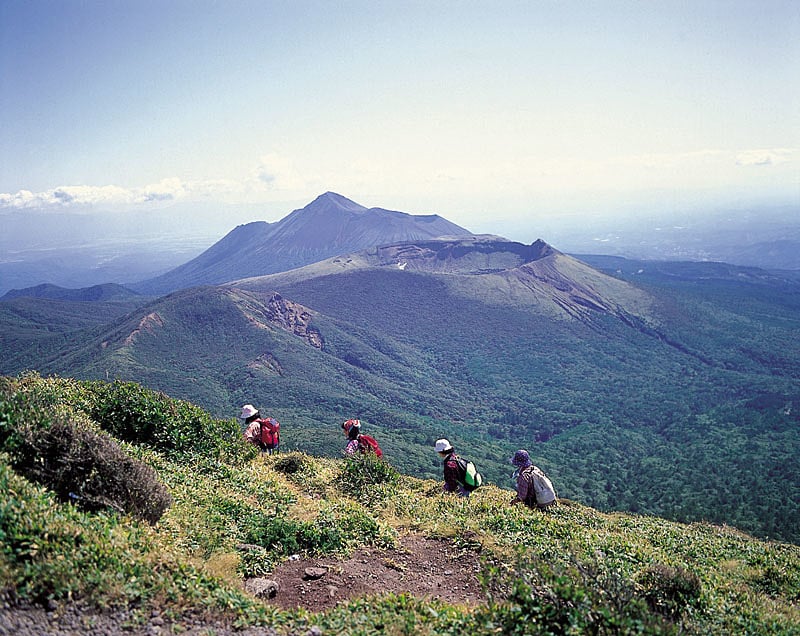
point(576, 570)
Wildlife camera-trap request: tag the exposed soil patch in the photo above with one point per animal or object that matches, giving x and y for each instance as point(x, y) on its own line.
point(422, 567)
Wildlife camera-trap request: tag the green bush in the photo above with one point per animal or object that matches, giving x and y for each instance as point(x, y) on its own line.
point(287, 536)
point(337, 529)
point(57, 552)
point(50, 440)
point(256, 561)
point(47, 394)
point(139, 415)
point(132, 413)
point(292, 463)
point(35, 400)
point(569, 598)
point(367, 478)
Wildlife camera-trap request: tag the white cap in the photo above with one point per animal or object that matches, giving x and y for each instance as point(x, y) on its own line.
point(442, 445)
point(248, 410)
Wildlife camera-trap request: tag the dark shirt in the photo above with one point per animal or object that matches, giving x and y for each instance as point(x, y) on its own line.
point(451, 472)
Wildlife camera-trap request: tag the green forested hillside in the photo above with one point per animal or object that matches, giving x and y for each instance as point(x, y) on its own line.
point(694, 419)
point(691, 414)
point(229, 515)
point(35, 329)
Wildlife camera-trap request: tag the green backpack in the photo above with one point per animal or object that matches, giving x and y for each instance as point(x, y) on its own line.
point(468, 476)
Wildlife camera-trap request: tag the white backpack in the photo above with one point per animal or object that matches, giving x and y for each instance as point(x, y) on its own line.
point(542, 492)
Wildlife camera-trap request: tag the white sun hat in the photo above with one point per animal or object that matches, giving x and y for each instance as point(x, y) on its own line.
point(248, 410)
point(442, 445)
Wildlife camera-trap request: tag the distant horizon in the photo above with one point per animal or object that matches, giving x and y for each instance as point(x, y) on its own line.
point(81, 250)
point(72, 228)
point(492, 114)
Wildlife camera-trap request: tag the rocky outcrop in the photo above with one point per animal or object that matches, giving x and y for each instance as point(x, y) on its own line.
point(293, 317)
point(261, 587)
point(474, 255)
point(285, 314)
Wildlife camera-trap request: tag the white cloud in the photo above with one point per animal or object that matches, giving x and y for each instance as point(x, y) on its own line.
point(66, 197)
point(276, 177)
point(765, 157)
point(671, 160)
point(273, 174)
point(165, 190)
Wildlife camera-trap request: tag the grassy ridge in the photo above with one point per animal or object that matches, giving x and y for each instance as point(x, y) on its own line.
point(574, 571)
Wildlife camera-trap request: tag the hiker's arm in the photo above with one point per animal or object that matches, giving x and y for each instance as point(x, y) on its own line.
point(522, 490)
point(252, 433)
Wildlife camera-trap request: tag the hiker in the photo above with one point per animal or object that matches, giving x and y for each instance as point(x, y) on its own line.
point(452, 473)
point(358, 441)
point(351, 429)
point(534, 489)
point(262, 432)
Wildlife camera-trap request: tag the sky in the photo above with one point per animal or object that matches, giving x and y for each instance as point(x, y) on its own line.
point(493, 114)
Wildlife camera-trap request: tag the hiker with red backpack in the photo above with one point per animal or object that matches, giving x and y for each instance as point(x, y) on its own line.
point(263, 432)
point(534, 488)
point(358, 442)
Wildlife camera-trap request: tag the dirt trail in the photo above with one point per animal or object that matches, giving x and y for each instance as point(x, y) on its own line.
point(422, 567)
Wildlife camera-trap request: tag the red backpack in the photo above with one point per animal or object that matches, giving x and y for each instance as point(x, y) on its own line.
point(270, 432)
point(368, 444)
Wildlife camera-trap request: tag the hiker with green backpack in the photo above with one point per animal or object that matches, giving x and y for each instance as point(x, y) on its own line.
point(534, 488)
point(460, 475)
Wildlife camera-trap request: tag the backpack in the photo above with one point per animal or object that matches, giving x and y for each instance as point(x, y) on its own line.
point(368, 444)
point(270, 432)
point(468, 475)
point(542, 492)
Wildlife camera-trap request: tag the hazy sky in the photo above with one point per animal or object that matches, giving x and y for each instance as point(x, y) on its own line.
point(467, 109)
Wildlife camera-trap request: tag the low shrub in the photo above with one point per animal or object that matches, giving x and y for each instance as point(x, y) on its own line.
point(669, 591)
point(132, 413)
point(337, 528)
point(566, 598)
point(312, 475)
point(50, 551)
point(256, 561)
point(367, 478)
point(85, 466)
point(292, 463)
point(286, 536)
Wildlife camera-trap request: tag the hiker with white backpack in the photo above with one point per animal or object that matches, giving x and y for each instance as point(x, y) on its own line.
point(534, 488)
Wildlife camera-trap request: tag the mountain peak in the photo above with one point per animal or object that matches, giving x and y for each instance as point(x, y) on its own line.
point(329, 201)
point(330, 225)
